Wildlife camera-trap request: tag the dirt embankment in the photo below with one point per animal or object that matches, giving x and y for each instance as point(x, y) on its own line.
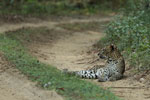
point(69, 51)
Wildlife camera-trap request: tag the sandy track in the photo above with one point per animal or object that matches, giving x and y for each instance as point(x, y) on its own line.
point(71, 52)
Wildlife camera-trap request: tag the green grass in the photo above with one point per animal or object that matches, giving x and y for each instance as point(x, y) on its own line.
point(69, 87)
point(84, 26)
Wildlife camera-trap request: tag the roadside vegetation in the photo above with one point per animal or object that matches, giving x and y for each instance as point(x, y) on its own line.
point(130, 31)
point(58, 7)
point(47, 76)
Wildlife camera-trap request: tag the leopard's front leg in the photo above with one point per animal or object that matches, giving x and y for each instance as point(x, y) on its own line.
point(115, 76)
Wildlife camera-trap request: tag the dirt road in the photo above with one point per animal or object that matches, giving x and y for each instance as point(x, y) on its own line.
point(70, 52)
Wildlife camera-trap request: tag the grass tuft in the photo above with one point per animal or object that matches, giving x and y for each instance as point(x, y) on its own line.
point(84, 26)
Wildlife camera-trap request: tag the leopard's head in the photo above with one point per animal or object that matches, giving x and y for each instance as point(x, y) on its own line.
point(110, 51)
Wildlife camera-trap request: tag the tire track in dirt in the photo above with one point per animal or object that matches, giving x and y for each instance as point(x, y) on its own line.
point(50, 24)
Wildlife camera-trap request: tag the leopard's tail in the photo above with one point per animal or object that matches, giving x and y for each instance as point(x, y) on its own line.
point(89, 74)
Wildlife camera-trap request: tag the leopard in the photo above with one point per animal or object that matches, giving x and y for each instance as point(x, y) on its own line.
point(112, 70)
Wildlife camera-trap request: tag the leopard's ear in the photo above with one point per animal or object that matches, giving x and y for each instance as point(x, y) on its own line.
point(112, 46)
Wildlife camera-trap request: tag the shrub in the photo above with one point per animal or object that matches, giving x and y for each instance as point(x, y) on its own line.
point(131, 33)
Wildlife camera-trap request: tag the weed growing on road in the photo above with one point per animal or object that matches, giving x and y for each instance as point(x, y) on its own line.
point(84, 26)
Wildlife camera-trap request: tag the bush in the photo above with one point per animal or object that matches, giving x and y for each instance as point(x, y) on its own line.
point(131, 33)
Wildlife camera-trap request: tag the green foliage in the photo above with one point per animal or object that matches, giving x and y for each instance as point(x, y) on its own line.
point(59, 7)
point(70, 87)
point(131, 33)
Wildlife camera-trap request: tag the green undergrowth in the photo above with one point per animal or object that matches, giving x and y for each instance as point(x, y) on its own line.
point(131, 33)
point(63, 7)
point(70, 87)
